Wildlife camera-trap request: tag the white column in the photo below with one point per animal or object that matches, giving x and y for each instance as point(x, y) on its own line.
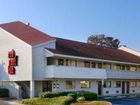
point(32, 88)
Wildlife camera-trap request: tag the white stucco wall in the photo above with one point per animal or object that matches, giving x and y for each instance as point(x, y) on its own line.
point(93, 86)
point(39, 60)
point(24, 53)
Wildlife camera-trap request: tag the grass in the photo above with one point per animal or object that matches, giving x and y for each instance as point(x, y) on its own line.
point(91, 103)
point(63, 100)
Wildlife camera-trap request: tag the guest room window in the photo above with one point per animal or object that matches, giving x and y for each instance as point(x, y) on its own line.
point(118, 83)
point(60, 61)
point(107, 84)
point(69, 85)
point(84, 84)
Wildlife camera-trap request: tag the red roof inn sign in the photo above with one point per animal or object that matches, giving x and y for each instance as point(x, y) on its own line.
point(13, 61)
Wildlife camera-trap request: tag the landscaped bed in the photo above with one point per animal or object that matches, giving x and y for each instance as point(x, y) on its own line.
point(66, 98)
point(62, 100)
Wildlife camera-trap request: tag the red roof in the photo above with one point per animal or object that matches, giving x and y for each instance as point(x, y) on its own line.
point(80, 49)
point(26, 33)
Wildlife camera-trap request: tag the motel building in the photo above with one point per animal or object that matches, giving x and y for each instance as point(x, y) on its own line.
point(32, 62)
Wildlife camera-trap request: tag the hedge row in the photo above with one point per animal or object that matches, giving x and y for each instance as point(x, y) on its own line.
point(75, 94)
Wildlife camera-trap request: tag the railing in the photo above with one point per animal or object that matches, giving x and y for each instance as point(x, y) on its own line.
point(123, 74)
point(74, 72)
point(54, 71)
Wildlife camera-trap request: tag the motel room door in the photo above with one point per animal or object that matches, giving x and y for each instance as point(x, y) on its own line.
point(123, 87)
point(127, 85)
point(99, 87)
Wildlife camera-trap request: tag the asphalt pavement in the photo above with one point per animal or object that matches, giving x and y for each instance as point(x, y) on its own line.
point(124, 101)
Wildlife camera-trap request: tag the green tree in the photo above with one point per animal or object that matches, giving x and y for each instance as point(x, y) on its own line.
point(103, 40)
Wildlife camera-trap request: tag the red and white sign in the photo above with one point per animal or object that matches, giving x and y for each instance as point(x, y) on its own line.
point(13, 61)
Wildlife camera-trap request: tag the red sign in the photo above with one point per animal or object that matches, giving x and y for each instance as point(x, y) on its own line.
point(11, 70)
point(11, 54)
point(13, 61)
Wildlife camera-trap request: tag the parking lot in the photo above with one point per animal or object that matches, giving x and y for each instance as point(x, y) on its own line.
point(114, 101)
point(124, 101)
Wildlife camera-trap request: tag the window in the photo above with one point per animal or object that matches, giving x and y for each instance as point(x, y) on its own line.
point(85, 84)
point(123, 67)
point(127, 67)
point(118, 67)
point(118, 83)
point(132, 68)
point(100, 65)
point(69, 85)
point(138, 84)
point(107, 84)
point(67, 62)
point(60, 61)
point(76, 63)
point(107, 66)
point(93, 65)
point(133, 84)
point(87, 64)
point(138, 68)
point(50, 61)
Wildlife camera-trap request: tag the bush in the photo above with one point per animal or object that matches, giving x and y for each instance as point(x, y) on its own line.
point(4, 92)
point(63, 100)
point(68, 100)
point(73, 95)
point(87, 95)
point(80, 99)
point(48, 95)
point(53, 94)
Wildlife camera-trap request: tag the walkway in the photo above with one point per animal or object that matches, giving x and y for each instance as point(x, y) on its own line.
point(9, 102)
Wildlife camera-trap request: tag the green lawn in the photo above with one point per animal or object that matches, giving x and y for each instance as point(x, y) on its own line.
point(63, 100)
point(92, 103)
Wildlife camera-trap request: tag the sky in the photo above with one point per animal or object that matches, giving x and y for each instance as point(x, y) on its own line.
point(78, 19)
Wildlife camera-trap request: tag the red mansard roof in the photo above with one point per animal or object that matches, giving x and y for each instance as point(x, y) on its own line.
point(80, 49)
point(26, 33)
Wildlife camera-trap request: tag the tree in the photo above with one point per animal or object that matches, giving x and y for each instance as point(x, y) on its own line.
point(103, 40)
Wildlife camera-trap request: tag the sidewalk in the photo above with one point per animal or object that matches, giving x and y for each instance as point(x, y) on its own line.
point(10, 102)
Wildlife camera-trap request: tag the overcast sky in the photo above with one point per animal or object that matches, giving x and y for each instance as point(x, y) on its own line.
point(77, 19)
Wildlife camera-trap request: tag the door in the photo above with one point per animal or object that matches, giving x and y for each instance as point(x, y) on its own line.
point(127, 84)
point(47, 86)
point(99, 87)
point(123, 87)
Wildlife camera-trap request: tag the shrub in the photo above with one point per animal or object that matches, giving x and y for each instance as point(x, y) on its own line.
point(4, 92)
point(53, 94)
point(87, 95)
point(63, 100)
point(68, 100)
point(46, 95)
point(80, 99)
point(73, 95)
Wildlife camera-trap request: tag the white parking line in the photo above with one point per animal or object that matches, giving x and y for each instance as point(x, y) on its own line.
point(130, 100)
